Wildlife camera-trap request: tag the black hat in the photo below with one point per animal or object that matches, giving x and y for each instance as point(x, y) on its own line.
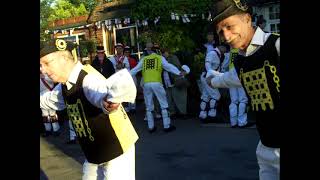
point(222, 9)
point(155, 47)
point(100, 49)
point(119, 45)
point(127, 48)
point(55, 45)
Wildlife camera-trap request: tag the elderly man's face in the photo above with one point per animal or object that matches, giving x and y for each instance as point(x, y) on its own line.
point(236, 30)
point(100, 55)
point(54, 66)
point(119, 50)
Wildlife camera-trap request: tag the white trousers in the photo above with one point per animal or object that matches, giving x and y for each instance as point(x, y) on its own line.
point(48, 126)
point(209, 96)
point(207, 91)
point(237, 107)
point(120, 168)
point(155, 88)
point(269, 162)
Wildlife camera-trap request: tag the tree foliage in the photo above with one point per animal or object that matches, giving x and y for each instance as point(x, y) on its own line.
point(51, 10)
point(45, 11)
point(169, 33)
point(89, 4)
point(151, 9)
point(64, 9)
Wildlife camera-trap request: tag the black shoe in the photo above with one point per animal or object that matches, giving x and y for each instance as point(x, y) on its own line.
point(213, 119)
point(153, 129)
point(249, 124)
point(204, 121)
point(235, 126)
point(171, 128)
point(72, 142)
point(46, 134)
point(56, 133)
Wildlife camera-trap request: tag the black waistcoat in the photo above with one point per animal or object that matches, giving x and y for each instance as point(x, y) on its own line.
point(259, 74)
point(96, 136)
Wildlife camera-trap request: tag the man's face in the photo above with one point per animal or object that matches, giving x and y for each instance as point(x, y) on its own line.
point(100, 55)
point(263, 25)
point(166, 54)
point(54, 66)
point(127, 53)
point(119, 50)
point(236, 30)
point(210, 38)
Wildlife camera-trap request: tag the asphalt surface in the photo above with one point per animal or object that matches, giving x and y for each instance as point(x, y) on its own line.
point(194, 151)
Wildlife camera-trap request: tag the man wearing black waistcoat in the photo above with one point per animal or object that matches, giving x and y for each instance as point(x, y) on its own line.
point(257, 69)
point(93, 104)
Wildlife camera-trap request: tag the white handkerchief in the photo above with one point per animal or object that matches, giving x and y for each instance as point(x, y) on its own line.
point(122, 87)
point(213, 73)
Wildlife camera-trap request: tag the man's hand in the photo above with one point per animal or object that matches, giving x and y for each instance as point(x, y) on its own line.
point(120, 66)
point(208, 79)
point(110, 106)
point(183, 73)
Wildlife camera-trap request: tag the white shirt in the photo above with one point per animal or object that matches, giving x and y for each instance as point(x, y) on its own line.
point(230, 78)
point(125, 62)
point(165, 64)
point(209, 47)
point(166, 79)
point(225, 63)
point(118, 88)
point(212, 60)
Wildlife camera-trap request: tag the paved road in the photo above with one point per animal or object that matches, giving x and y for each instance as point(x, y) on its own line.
point(193, 152)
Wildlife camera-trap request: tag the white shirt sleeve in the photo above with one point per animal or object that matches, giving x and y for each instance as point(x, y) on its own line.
point(225, 63)
point(118, 88)
point(137, 68)
point(126, 63)
point(212, 61)
point(278, 46)
point(228, 79)
point(95, 89)
point(52, 99)
point(113, 60)
point(169, 67)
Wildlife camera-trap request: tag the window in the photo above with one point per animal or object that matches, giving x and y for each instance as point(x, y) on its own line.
point(274, 12)
point(275, 28)
point(82, 37)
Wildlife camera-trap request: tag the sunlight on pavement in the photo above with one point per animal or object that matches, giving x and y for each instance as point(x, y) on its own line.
point(56, 164)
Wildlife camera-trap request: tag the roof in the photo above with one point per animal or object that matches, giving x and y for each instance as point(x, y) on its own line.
point(111, 10)
point(68, 23)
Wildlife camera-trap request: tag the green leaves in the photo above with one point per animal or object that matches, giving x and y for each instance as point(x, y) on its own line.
point(151, 9)
point(64, 9)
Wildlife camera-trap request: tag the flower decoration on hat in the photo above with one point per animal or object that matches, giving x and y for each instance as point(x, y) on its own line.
point(61, 44)
point(242, 6)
